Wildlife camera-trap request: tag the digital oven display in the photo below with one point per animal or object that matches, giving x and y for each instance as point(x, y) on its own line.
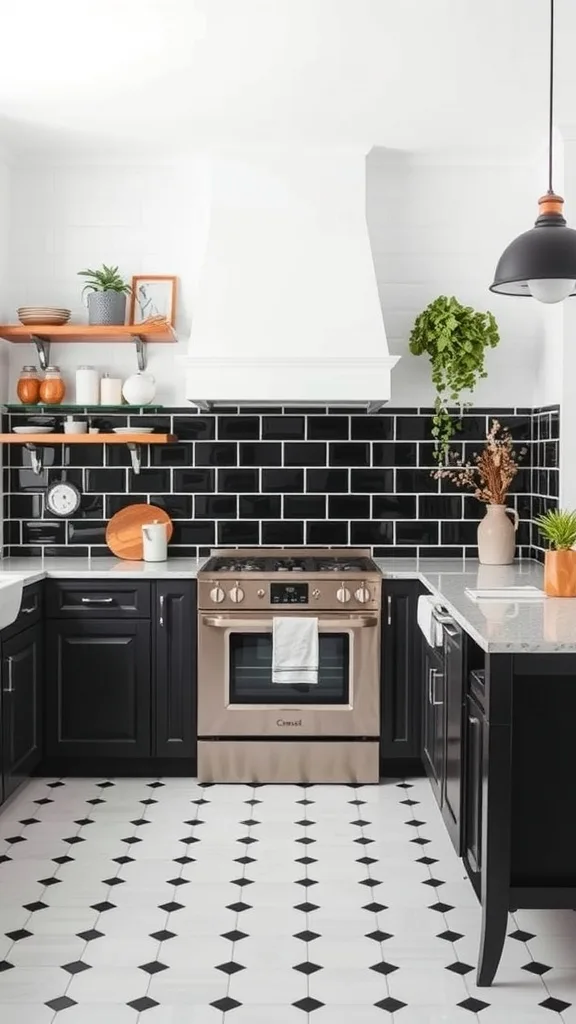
point(284, 593)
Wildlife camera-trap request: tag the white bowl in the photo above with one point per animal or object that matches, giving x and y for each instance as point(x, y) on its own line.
point(76, 427)
point(32, 430)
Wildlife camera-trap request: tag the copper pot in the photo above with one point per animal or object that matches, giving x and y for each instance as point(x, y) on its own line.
point(560, 573)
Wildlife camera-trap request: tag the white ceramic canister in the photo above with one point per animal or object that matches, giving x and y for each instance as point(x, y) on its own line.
point(139, 389)
point(110, 390)
point(87, 386)
point(155, 542)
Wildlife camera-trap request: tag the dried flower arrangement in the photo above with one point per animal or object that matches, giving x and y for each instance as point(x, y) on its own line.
point(490, 473)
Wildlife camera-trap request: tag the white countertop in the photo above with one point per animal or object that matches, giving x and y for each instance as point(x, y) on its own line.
point(546, 626)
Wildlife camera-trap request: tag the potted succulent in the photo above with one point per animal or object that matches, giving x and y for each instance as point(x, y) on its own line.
point(455, 338)
point(489, 476)
point(107, 295)
point(558, 527)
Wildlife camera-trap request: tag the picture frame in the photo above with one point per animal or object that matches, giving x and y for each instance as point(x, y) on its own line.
point(153, 295)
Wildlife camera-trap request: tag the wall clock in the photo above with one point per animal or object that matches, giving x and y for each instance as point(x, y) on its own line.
point(62, 498)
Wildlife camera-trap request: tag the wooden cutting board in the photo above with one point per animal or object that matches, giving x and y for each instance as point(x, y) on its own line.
point(124, 530)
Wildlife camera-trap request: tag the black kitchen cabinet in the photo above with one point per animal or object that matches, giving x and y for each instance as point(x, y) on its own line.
point(21, 731)
point(175, 685)
point(433, 719)
point(454, 709)
point(98, 688)
point(401, 671)
point(475, 728)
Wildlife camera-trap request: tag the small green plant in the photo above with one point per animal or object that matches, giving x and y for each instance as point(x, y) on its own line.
point(455, 337)
point(105, 280)
point(558, 527)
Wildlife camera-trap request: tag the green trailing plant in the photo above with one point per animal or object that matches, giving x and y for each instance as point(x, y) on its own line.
point(558, 527)
point(105, 280)
point(455, 338)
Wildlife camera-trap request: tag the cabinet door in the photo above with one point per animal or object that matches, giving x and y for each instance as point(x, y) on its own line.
point(21, 706)
point(98, 688)
point(454, 697)
point(175, 680)
point(433, 748)
point(401, 671)
point(472, 838)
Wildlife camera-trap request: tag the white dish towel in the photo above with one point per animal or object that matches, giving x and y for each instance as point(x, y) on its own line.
point(295, 650)
point(431, 629)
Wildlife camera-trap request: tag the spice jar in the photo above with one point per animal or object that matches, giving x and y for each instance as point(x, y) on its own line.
point(52, 388)
point(28, 385)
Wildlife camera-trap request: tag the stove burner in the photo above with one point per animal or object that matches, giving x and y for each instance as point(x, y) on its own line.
point(310, 564)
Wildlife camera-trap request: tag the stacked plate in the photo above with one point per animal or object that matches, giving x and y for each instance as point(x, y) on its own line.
point(49, 315)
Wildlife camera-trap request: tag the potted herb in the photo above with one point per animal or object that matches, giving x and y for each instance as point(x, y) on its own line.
point(455, 337)
point(558, 527)
point(489, 476)
point(107, 295)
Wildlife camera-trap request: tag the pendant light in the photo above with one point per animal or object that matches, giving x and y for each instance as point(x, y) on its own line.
point(542, 262)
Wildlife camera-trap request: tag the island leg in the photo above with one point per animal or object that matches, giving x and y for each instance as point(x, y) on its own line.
point(494, 921)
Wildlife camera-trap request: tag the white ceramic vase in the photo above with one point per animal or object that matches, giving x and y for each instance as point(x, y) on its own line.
point(139, 389)
point(497, 535)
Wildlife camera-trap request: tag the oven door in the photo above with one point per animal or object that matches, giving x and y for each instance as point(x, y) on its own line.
point(236, 695)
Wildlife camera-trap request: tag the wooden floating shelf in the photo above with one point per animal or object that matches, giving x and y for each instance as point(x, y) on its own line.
point(51, 439)
point(20, 334)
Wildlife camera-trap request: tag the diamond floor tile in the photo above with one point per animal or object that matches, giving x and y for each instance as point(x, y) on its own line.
point(240, 888)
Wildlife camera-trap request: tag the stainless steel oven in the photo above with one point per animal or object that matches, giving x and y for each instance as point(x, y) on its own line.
point(251, 729)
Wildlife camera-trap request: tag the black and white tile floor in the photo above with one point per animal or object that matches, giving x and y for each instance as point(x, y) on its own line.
point(133, 901)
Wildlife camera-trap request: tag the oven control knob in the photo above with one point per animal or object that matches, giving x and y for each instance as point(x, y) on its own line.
point(217, 594)
point(343, 595)
point(362, 595)
point(237, 594)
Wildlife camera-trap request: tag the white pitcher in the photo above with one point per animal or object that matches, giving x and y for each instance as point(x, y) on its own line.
point(155, 541)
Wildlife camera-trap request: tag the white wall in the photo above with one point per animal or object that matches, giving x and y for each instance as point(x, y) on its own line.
point(145, 218)
point(435, 227)
point(439, 228)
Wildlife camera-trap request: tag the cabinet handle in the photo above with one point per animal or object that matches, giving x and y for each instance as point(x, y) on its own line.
point(389, 609)
point(97, 600)
point(433, 674)
point(472, 720)
point(10, 687)
point(28, 611)
point(161, 619)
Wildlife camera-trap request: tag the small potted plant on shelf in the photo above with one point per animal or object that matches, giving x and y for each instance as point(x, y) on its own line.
point(489, 475)
point(558, 527)
point(107, 295)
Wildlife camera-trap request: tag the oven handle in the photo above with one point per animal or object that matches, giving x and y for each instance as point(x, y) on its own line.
point(265, 625)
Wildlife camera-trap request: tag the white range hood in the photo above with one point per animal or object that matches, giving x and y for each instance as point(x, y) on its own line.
point(287, 311)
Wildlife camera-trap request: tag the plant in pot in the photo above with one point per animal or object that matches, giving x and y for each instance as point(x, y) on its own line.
point(558, 527)
point(455, 337)
point(107, 295)
point(489, 475)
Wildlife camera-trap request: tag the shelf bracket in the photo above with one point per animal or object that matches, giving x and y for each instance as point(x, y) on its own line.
point(36, 458)
point(135, 456)
point(140, 351)
point(42, 348)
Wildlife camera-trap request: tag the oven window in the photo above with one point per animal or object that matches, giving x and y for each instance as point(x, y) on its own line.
point(251, 672)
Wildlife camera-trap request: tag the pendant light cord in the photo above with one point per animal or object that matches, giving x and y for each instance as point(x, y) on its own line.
point(551, 107)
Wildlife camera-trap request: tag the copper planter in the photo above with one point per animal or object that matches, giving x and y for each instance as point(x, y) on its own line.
point(560, 573)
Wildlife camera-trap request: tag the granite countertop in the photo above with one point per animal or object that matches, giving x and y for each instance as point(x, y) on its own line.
point(498, 627)
point(544, 626)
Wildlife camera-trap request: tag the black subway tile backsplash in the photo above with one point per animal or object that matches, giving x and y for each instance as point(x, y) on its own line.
point(254, 476)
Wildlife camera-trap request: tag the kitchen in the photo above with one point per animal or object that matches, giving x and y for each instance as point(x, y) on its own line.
point(382, 846)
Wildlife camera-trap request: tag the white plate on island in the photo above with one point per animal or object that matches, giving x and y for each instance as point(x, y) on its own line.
point(32, 430)
point(526, 593)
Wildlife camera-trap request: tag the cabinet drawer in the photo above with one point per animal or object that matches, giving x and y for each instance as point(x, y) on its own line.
point(30, 611)
point(100, 599)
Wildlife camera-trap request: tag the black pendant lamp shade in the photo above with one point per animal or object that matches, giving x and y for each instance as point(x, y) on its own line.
point(542, 262)
point(546, 252)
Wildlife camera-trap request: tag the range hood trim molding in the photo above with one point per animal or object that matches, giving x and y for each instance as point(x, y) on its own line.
point(252, 380)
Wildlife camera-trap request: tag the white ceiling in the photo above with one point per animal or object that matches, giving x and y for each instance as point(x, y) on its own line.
point(408, 74)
